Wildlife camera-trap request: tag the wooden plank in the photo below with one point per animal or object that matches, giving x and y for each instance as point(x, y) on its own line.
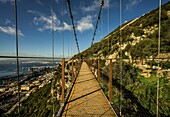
point(87, 98)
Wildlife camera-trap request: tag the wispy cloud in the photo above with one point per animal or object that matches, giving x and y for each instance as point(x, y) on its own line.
point(64, 27)
point(40, 3)
point(85, 24)
point(132, 3)
point(7, 21)
point(45, 22)
point(64, 12)
point(35, 12)
point(10, 30)
point(42, 21)
point(107, 4)
point(95, 5)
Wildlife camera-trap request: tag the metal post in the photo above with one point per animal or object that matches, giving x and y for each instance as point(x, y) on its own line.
point(110, 82)
point(63, 81)
point(99, 71)
point(151, 63)
point(72, 70)
point(161, 65)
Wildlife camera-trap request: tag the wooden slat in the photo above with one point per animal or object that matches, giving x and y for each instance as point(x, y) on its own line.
point(87, 98)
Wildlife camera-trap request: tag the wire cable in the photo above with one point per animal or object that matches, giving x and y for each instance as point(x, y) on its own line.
point(71, 16)
point(159, 38)
point(108, 27)
point(120, 59)
point(63, 26)
point(30, 57)
point(98, 18)
point(17, 65)
point(53, 80)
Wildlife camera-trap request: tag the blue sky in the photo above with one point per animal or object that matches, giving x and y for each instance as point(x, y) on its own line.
point(34, 23)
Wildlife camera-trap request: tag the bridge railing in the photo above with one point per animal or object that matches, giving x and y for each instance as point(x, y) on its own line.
point(31, 90)
point(40, 86)
point(70, 70)
point(132, 87)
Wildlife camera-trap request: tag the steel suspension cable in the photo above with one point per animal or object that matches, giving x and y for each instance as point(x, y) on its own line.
point(63, 26)
point(53, 80)
point(121, 98)
point(159, 39)
point(52, 30)
point(108, 28)
point(17, 65)
point(71, 16)
point(98, 18)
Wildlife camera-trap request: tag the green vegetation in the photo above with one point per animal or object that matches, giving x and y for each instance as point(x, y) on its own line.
point(166, 65)
point(142, 92)
point(141, 40)
point(146, 47)
point(38, 104)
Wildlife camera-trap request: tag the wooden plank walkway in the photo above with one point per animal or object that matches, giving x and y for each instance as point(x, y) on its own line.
point(87, 98)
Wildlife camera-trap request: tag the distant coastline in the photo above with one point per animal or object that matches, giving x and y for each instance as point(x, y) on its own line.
point(8, 69)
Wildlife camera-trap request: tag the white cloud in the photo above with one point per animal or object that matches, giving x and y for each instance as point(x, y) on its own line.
point(107, 4)
point(44, 22)
point(67, 26)
point(4, 1)
point(64, 12)
point(85, 24)
point(40, 3)
point(64, 27)
point(10, 30)
point(132, 3)
point(35, 12)
point(91, 7)
point(95, 5)
point(7, 21)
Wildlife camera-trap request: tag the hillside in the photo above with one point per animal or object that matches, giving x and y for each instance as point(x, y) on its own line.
point(139, 77)
point(139, 36)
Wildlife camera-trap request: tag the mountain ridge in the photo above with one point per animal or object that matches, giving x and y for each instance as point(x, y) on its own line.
point(135, 34)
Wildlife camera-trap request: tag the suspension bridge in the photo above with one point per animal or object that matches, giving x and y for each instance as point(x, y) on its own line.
point(86, 95)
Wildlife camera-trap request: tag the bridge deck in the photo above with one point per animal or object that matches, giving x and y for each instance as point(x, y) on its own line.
point(87, 98)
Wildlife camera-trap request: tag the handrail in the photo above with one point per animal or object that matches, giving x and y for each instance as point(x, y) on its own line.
point(59, 114)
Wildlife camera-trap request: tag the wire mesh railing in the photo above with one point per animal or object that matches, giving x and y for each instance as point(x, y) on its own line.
point(30, 85)
point(36, 78)
point(139, 85)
